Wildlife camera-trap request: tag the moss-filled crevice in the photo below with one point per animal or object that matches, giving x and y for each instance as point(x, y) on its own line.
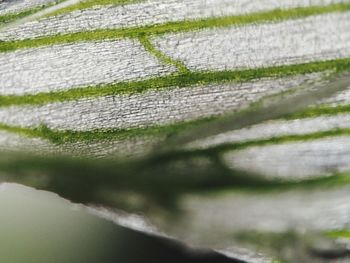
point(188, 79)
point(175, 27)
point(280, 140)
point(11, 17)
point(163, 58)
point(4, 19)
point(321, 110)
point(70, 136)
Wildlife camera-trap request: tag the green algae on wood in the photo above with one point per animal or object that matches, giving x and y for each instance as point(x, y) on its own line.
point(174, 27)
point(189, 79)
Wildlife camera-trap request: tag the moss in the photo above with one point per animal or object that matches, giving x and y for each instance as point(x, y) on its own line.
point(88, 4)
point(161, 56)
point(279, 140)
point(11, 17)
point(173, 130)
point(339, 234)
point(174, 27)
point(69, 136)
point(189, 79)
point(4, 19)
point(320, 110)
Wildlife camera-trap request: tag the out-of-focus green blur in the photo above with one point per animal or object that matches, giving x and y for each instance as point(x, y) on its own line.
point(40, 227)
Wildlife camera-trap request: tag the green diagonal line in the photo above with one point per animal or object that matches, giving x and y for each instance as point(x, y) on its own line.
point(7, 18)
point(4, 19)
point(189, 79)
point(319, 111)
point(166, 130)
point(88, 4)
point(277, 140)
point(144, 40)
point(69, 136)
point(174, 27)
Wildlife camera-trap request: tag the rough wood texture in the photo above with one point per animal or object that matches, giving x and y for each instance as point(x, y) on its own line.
point(118, 80)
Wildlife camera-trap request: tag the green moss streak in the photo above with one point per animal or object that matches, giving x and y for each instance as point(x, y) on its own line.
point(177, 80)
point(4, 19)
point(174, 27)
point(69, 136)
point(278, 140)
point(339, 234)
point(161, 56)
point(320, 110)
